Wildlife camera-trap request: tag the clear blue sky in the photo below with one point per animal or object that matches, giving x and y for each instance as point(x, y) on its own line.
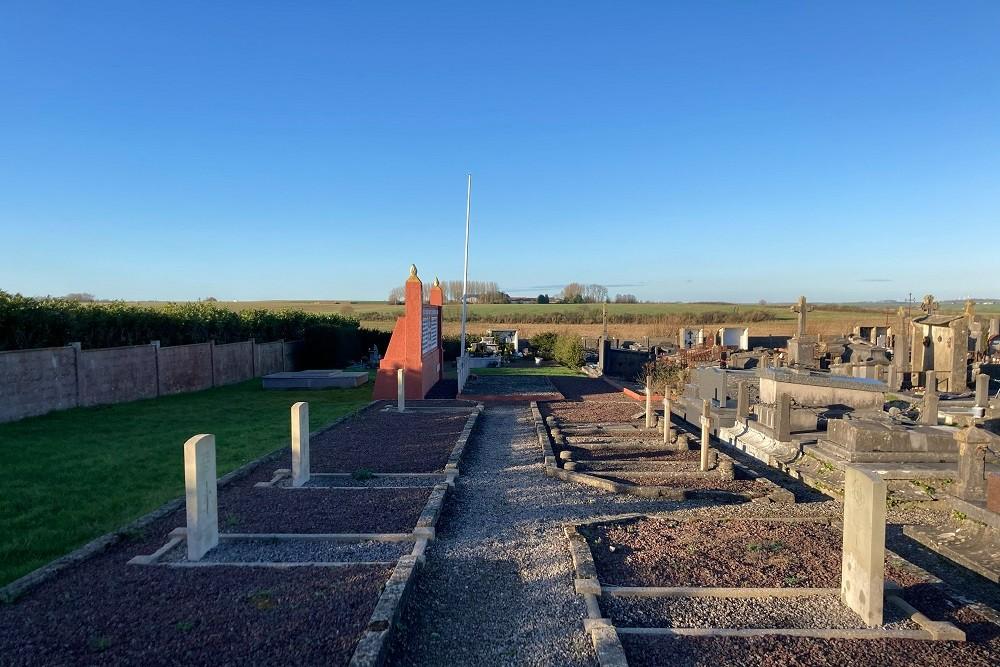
point(678, 151)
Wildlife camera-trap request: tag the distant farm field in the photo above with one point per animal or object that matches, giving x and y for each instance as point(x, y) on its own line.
point(625, 320)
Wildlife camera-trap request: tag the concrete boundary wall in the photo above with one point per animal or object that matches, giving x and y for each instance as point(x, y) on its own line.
point(183, 368)
point(270, 358)
point(117, 375)
point(34, 382)
point(234, 362)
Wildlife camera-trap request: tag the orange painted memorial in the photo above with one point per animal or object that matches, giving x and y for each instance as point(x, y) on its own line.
point(415, 345)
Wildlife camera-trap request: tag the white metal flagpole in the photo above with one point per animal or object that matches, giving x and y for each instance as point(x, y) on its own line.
point(465, 279)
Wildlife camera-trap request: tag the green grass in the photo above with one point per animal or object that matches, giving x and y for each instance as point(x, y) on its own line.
point(71, 476)
point(526, 370)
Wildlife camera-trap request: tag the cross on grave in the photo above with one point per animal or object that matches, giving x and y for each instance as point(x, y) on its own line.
point(929, 305)
point(801, 308)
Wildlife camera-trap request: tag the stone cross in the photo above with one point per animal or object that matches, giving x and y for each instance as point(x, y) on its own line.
point(200, 495)
point(862, 582)
point(706, 423)
point(801, 308)
point(401, 390)
point(929, 305)
point(300, 443)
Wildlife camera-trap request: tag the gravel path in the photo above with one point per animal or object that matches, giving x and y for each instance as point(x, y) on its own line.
point(497, 588)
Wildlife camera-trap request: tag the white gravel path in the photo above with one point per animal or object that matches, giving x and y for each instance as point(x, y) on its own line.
point(497, 588)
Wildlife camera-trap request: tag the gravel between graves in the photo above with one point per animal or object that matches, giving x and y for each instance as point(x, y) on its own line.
point(497, 588)
point(654, 552)
point(279, 510)
point(296, 551)
point(220, 615)
point(821, 611)
point(389, 442)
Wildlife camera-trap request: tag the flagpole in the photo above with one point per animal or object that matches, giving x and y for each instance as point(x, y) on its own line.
point(465, 278)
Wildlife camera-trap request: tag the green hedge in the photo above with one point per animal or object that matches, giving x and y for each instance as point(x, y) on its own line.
point(27, 322)
point(331, 346)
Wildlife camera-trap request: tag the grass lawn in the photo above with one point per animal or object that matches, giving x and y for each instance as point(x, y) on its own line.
point(525, 370)
point(71, 476)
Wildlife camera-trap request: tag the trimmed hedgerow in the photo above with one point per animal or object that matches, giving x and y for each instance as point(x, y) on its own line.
point(27, 322)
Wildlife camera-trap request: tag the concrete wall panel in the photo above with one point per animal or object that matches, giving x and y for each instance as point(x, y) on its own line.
point(117, 374)
point(233, 363)
point(185, 368)
point(33, 382)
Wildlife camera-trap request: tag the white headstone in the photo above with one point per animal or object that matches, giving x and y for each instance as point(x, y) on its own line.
point(300, 443)
point(706, 423)
point(200, 495)
point(862, 580)
point(649, 402)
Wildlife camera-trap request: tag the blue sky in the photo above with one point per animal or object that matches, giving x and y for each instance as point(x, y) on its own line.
point(678, 151)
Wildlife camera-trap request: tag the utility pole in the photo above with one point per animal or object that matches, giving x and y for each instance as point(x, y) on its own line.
point(465, 278)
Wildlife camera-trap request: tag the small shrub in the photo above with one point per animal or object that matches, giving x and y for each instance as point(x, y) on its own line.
point(544, 344)
point(362, 474)
point(569, 350)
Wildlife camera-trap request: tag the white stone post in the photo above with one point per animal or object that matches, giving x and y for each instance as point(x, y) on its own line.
point(200, 495)
point(666, 416)
point(649, 401)
point(706, 423)
point(862, 580)
point(401, 389)
point(300, 443)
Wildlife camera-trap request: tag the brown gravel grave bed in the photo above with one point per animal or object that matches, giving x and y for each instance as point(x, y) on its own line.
point(317, 510)
point(388, 442)
point(729, 553)
point(591, 412)
point(217, 615)
point(820, 611)
point(587, 389)
point(777, 651)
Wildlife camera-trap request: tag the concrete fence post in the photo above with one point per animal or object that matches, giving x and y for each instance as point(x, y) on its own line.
point(77, 367)
point(156, 364)
point(200, 494)
point(300, 443)
point(253, 357)
point(401, 390)
point(211, 358)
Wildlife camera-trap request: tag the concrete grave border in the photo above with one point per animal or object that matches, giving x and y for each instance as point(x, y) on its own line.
point(770, 490)
point(611, 652)
point(372, 646)
point(100, 544)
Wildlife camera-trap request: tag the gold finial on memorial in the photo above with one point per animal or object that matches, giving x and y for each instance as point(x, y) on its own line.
point(413, 270)
point(437, 283)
